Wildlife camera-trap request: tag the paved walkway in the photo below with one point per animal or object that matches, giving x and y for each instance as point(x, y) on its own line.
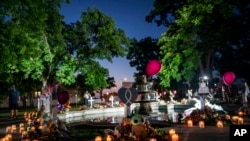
point(209, 133)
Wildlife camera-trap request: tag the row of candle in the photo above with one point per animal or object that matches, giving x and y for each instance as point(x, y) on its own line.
point(30, 118)
point(109, 138)
point(235, 120)
point(219, 124)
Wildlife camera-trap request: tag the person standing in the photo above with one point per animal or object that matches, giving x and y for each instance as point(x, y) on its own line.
point(86, 98)
point(44, 101)
point(14, 99)
point(245, 94)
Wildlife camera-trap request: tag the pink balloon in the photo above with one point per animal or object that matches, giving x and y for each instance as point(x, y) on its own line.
point(63, 97)
point(153, 67)
point(229, 77)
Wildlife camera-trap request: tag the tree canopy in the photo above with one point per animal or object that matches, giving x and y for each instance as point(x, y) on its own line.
point(36, 43)
point(199, 33)
point(141, 52)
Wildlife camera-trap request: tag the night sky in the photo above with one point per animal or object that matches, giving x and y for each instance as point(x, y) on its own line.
point(128, 15)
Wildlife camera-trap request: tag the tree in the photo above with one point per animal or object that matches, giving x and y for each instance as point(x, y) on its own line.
point(93, 37)
point(196, 30)
point(37, 43)
point(141, 52)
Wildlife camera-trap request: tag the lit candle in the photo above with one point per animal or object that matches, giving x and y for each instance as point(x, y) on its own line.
point(108, 138)
point(33, 128)
point(21, 125)
point(8, 137)
point(24, 134)
point(8, 129)
point(219, 124)
point(240, 120)
point(40, 127)
point(175, 137)
point(13, 128)
point(21, 129)
point(235, 119)
point(201, 124)
point(152, 139)
point(5, 139)
point(190, 123)
point(98, 138)
point(240, 113)
point(171, 132)
point(38, 120)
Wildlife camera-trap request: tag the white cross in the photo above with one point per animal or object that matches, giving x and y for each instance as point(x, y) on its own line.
point(112, 100)
point(91, 102)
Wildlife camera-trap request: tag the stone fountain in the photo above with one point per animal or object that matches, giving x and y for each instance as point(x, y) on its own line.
point(146, 95)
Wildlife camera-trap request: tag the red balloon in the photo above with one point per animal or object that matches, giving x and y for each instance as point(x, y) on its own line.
point(63, 97)
point(153, 67)
point(229, 77)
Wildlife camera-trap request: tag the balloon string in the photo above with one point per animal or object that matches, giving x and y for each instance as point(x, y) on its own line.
point(128, 97)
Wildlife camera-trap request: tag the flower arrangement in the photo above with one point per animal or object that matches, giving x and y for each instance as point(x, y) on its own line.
point(208, 115)
point(62, 108)
point(135, 128)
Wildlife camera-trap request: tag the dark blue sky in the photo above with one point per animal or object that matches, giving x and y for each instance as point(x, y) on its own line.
point(128, 15)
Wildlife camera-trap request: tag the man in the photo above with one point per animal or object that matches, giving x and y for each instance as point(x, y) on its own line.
point(14, 99)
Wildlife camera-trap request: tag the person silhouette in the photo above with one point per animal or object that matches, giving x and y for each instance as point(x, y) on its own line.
point(14, 99)
point(245, 94)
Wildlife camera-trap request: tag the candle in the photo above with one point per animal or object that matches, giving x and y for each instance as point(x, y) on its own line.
point(240, 113)
point(38, 120)
point(8, 129)
point(98, 138)
point(190, 123)
point(240, 120)
point(40, 127)
point(21, 125)
point(235, 119)
point(33, 128)
point(13, 128)
point(175, 137)
point(201, 124)
point(5, 139)
point(152, 139)
point(219, 124)
point(8, 137)
point(108, 138)
point(24, 134)
point(21, 129)
point(171, 132)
